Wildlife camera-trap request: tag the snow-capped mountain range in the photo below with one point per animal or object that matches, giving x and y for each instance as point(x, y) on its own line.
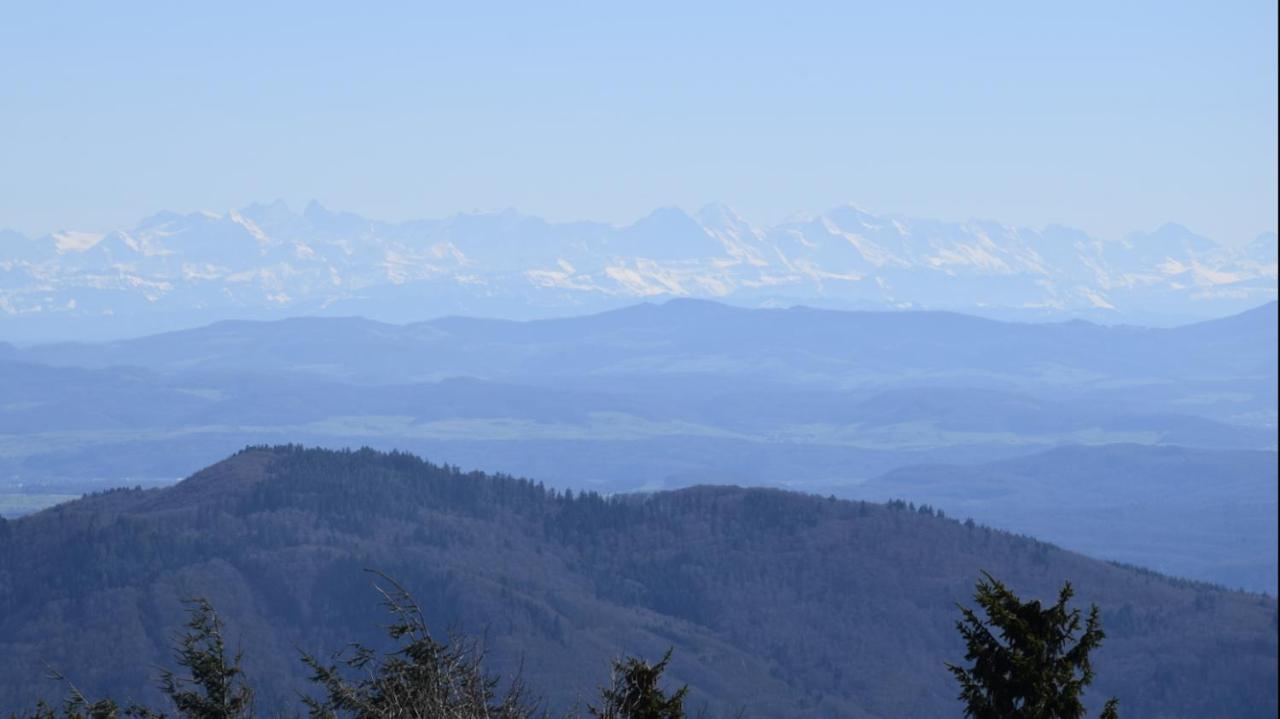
point(268, 260)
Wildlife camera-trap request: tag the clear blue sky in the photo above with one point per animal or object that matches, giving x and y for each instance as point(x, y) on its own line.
point(1111, 116)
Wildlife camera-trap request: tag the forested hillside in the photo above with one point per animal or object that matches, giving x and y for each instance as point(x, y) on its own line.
point(671, 395)
point(776, 603)
point(1220, 526)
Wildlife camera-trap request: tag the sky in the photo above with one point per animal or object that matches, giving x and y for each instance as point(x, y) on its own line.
point(1112, 117)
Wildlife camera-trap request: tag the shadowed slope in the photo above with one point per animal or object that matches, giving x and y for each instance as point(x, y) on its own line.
point(778, 603)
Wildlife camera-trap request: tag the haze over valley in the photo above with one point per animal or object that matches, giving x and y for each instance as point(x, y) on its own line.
point(639, 360)
point(1150, 446)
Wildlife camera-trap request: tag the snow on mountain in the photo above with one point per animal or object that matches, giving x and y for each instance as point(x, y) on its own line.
point(1262, 251)
point(267, 257)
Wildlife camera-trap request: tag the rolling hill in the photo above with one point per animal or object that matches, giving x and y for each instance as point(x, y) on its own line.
point(1209, 514)
point(831, 348)
point(689, 392)
point(777, 604)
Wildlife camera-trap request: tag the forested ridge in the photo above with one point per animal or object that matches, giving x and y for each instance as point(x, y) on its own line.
point(776, 603)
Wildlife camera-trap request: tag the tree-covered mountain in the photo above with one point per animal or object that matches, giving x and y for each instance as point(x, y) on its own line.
point(777, 604)
point(1209, 514)
point(825, 347)
point(690, 392)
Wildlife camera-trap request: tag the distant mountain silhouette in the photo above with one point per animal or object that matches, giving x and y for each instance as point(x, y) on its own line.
point(667, 336)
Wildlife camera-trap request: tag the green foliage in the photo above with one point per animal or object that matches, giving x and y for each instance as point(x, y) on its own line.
point(787, 592)
point(421, 679)
point(1027, 662)
point(78, 706)
point(213, 689)
point(635, 694)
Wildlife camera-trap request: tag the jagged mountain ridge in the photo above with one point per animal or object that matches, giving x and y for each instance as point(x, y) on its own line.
point(267, 257)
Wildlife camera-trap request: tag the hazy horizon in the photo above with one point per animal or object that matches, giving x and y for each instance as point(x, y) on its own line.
point(1111, 119)
point(569, 314)
point(727, 342)
point(299, 207)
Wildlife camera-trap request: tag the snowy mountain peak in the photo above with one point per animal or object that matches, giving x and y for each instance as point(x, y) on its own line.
point(268, 258)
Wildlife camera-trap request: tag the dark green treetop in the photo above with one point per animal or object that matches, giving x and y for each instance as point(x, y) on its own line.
point(421, 679)
point(1026, 661)
point(215, 688)
point(635, 694)
point(211, 687)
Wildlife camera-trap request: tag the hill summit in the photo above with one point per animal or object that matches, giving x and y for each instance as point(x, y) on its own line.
point(776, 603)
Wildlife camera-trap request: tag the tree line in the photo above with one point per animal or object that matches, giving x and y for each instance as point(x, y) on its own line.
point(1023, 661)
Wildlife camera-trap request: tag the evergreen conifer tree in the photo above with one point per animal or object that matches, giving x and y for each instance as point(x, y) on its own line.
point(422, 679)
point(635, 693)
point(213, 689)
point(1026, 661)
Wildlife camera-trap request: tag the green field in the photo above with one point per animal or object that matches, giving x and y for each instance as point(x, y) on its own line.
point(13, 505)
